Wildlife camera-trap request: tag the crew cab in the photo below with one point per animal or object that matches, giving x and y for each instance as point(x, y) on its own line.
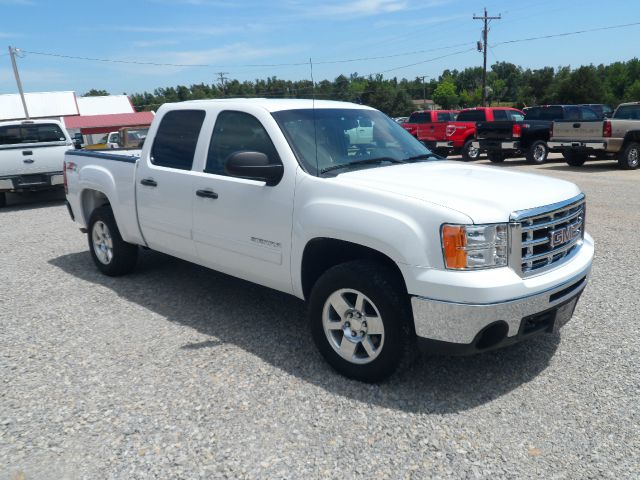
point(616, 137)
point(390, 245)
point(429, 126)
point(31, 156)
point(461, 133)
point(529, 136)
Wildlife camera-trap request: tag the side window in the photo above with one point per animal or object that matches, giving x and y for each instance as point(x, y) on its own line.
point(444, 117)
point(176, 139)
point(588, 114)
point(236, 132)
point(515, 116)
point(500, 115)
point(572, 113)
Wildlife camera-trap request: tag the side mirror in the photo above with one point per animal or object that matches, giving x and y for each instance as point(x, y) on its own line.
point(254, 166)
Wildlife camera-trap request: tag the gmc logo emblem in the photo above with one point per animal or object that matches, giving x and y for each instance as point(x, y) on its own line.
point(564, 235)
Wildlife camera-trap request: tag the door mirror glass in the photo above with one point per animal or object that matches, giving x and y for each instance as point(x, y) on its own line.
point(254, 166)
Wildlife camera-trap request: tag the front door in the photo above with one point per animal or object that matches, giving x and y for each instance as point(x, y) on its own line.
point(243, 227)
point(164, 184)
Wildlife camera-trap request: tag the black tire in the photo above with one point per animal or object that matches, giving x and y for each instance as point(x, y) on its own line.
point(3, 199)
point(537, 152)
point(386, 292)
point(496, 157)
point(123, 255)
point(574, 159)
point(470, 154)
point(629, 157)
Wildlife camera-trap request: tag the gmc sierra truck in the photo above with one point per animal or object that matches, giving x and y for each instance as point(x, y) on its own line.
point(461, 132)
point(391, 246)
point(507, 138)
point(616, 137)
point(31, 156)
point(429, 126)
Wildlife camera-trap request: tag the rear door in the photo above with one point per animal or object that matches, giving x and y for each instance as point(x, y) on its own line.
point(31, 148)
point(164, 184)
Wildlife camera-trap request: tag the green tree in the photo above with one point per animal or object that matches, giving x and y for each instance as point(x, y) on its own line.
point(445, 94)
point(96, 93)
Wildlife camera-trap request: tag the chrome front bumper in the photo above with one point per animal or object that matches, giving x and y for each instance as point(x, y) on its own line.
point(460, 323)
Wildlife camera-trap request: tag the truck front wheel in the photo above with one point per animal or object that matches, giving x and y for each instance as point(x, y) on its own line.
point(3, 199)
point(361, 321)
point(629, 158)
point(111, 254)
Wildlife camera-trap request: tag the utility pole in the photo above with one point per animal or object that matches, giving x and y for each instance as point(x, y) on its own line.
point(223, 81)
point(424, 93)
point(485, 34)
point(12, 53)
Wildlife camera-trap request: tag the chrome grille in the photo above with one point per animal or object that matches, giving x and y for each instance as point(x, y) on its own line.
point(543, 238)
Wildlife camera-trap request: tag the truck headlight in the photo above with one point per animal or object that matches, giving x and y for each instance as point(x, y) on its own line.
point(471, 247)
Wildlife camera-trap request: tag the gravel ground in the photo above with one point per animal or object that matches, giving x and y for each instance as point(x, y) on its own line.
point(180, 372)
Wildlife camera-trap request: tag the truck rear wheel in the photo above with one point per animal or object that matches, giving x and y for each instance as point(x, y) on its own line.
point(469, 152)
point(360, 320)
point(629, 158)
point(111, 254)
point(575, 159)
point(537, 152)
point(442, 152)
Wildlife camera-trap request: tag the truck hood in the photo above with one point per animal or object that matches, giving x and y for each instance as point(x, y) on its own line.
point(485, 194)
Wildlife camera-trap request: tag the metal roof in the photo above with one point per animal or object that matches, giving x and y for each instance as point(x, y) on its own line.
point(113, 120)
point(39, 104)
point(106, 105)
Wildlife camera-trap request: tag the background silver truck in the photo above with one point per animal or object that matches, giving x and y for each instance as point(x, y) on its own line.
point(618, 137)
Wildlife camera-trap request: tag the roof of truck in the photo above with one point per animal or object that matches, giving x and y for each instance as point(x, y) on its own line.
point(277, 104)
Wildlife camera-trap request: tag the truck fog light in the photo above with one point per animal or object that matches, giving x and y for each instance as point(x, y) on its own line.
point(471, 247)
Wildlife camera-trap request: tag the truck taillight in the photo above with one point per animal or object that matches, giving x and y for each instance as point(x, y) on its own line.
point(516, 130)
point(64, 177)
point(606, 128)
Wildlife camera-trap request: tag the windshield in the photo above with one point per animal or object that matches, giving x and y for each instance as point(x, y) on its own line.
point(326, 139)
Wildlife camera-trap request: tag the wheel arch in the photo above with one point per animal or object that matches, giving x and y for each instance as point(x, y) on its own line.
point(322, 253)
point(631, 136)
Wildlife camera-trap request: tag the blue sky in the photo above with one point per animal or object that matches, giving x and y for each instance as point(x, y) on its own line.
point(227, 36)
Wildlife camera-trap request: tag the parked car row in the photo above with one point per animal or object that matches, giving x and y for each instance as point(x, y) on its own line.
point(576, 131)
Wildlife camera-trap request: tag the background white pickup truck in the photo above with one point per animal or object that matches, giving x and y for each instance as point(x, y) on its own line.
point(31, 155)
point(387, 243)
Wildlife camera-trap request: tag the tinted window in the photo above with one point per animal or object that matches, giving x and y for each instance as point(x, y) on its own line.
point(571, 113)
point(236, 132)
point(471, 116)
point(628, 112)
point(588, 114)
point(544, 113)
point(31, 133)
point(176, 139)
point(445, 116)
point(499, 114)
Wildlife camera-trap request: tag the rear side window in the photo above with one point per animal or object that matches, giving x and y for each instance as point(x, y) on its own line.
point(420, 117)
point(31, 133)
point(236, 132)
point(176, 139)
point(544, 113)
point(445, 116)
point(572, 113)
point(472, 116)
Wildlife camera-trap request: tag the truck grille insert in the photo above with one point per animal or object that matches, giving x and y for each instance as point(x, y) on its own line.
point(543, 239)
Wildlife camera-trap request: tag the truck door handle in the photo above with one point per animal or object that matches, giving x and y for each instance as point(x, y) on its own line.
point(576, 125)
point(206, 194)
point(28, 160)
point(149, 182)
point(27, 152)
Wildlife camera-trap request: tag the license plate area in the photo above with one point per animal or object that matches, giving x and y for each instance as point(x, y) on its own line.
point(26, 180)
point(551, 320)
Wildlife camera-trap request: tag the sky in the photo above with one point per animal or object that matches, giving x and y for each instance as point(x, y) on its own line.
point(252, 39)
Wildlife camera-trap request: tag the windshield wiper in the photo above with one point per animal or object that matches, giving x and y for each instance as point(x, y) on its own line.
point(366, 161)
point(420, 157)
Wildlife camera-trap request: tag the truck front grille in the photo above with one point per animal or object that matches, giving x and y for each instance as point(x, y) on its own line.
point(543, 238)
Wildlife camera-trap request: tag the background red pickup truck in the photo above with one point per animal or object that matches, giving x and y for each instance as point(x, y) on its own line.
point(429, 127)
point(461, 132)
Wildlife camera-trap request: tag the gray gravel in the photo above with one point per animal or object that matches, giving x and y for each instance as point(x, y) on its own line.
point(180, 372)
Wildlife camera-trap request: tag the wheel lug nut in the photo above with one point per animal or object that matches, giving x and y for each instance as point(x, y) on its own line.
point(347, 324)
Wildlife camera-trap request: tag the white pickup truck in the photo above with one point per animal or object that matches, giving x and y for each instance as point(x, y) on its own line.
point(391, 246)
point(31, 155)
